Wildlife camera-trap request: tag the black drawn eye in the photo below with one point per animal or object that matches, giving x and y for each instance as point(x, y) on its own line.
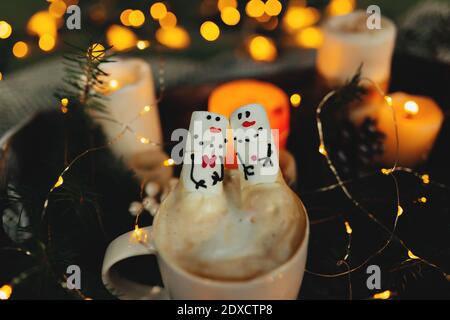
point(208, 117)
point(225, 140)
point(239, 116)
point(260, 128)
point(256, 135)
point(234, 138)
point(247, 140)
point(200, 143)
point(247, 114)
point(217, 118)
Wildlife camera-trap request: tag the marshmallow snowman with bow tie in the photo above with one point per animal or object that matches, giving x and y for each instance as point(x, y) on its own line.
point(204, 156)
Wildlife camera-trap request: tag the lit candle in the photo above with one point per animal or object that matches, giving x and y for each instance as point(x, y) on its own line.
point(419, 120)
point(130, 95)
point(229, 96)
point(348, 42)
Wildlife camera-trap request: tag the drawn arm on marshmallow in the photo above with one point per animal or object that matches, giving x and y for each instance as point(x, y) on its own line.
point(254, 144)
point(205, 153)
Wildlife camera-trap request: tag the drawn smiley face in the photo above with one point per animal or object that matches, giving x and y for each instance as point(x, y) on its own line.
point(208, 131)
point(251, 116)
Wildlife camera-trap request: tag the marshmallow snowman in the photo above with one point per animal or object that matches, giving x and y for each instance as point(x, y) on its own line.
point(204, 156)
point(255, 146)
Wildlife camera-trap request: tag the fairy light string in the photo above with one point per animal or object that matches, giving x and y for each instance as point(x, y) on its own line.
point(343, 186)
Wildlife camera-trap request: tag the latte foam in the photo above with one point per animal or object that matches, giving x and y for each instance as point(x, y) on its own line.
point(239, 234)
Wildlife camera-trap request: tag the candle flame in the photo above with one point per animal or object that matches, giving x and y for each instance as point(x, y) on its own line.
point(411, 107)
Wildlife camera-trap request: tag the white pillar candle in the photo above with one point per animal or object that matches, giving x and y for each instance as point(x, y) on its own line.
point(130, 93)
point(419, 120)
point(348, 42)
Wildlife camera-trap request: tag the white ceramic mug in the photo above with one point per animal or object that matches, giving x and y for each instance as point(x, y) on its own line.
point(281, 283)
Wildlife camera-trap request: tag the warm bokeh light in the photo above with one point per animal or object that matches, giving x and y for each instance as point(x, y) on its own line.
point(20, 49)
point(425, 178)
point(423, 200)
point(169, 162)
point(136, 18)
point(230, 16)
point(255, 8)
point(64, 102)
point(411, 108)
point(125, 17)
point(5, 292)
point(113, 84)
point(5, 30)
point(412, 255)
point(222, 4)
point(383, 295)
point(121, 38)
point(143, 44)
point(1, 76)
point(297, 17)
point(399, 211)
point(168, 21)
point(322, 150)
point(262, 48)
point(310, 37)
point(209, 31)
point(57, 8)
point(42, 23)
point(59, 183)
point(47, 42)
point(388, 100)
point(273, 7)
point(158, 10)
point(348, 228)
point(97, 50)
point(340, 7)
point(174, 38)
point(295, 99)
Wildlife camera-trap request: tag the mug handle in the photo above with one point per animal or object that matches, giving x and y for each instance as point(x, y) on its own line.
point(124, 247)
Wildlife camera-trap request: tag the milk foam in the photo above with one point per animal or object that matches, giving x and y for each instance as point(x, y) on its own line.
point(239, 234)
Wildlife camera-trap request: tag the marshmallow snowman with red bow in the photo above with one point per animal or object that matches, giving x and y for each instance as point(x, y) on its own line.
point(255, 146)
point(204, 156)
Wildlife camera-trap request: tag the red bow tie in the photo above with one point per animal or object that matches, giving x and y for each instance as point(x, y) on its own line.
point(208, 161)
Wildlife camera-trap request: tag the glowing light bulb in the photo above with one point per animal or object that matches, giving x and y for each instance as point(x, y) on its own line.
point(5, 30)
point(322, 150)
point(168, 21)
point(222, 4)
point(209, 31)
point(273, 7)
point(113, 84)
point(399, 211)
point(174, 38)
point(423, 200)
point(255, 8)
point(310, 37)
point(425, 178)
point(145, 110)
point(348, 229)
point(411, 108)
point(59, 182)
point(340, 7)
point(120, 38)
point(144, 140)
point(263, 49)
point(1, 76)
point(412, 255)
point(383, 295)
point(230, 16)
point(125, 17)
point(386, 171)
point(158, 10)
point(138, 235)
point(143, 44)
point(388, 100)
point(64, 104)
point(20, 49)
point(96, 51)
point(47, 42)
point(169, 162)
point(5, 292)
point(136, 18)
point(295, 99)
